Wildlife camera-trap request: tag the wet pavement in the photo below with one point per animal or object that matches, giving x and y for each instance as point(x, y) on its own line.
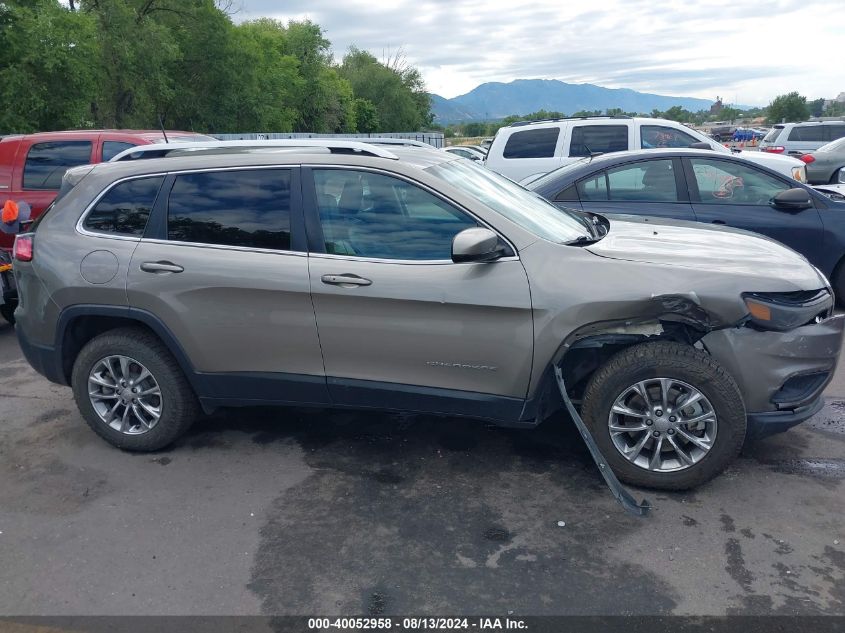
point(295, 511)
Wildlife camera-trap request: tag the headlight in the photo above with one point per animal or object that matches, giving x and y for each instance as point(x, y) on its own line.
point(799, 173)
point(783, 311)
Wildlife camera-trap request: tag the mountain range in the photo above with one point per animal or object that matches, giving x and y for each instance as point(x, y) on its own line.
point(495, 100)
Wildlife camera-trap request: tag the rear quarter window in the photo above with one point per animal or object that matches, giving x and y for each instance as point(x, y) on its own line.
point(125, 208)
point(772, 135)
point(540, 143)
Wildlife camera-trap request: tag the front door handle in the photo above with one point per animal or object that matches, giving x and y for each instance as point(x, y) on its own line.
point(345, 280)
point(717, 221)
point(161, 267)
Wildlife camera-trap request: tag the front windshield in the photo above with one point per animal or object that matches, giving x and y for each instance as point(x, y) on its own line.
point(518, 205)
point(537, 183)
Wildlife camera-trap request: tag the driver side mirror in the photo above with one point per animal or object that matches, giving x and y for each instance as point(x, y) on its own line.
point(795, 199)
point(476, 245)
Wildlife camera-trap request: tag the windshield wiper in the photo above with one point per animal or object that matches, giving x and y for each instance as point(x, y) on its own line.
point(583, 240)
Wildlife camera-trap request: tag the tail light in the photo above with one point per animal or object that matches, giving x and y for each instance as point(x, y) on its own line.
point(774, 149)
point(23, 248)
point(807, 158)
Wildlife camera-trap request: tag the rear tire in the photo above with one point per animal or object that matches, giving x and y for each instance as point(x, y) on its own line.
point(8, 312)
point(690, 370)
point(144, 355)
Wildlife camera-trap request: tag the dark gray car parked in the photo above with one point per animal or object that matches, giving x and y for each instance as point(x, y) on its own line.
point(700, 185)
point(826, 165)
point(352, 275)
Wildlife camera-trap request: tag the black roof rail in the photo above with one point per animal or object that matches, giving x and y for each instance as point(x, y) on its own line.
point(571, 118)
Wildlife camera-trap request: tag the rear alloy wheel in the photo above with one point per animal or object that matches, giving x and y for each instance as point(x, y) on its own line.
point(665, 415)
point(125, 395)
point(131, 391)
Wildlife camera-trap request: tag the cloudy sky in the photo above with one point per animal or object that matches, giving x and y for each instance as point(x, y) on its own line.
point(745, 51)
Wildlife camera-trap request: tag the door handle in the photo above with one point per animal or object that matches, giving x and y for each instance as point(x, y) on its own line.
point(345, 280)
point(717, 221)
point(161, 267)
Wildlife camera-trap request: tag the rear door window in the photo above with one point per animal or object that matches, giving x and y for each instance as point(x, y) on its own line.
point(248, 208)
point(647, 181)
point(113, 148)
point(125, 208)
point(590, 139)
point(834, 132)
point(46, 163)
point(539, 143)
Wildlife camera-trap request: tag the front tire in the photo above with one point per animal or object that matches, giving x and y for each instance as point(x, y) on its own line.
point(131, 391)
point(665, 415)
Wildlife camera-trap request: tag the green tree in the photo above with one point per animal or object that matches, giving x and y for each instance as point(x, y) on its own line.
point(730, 114)
point(836, 108)
point(402, 105)
point(48, 67)
point(678, 113)
point(366, 116)
point(816, 107)
point(789, 107)
point(266, 95)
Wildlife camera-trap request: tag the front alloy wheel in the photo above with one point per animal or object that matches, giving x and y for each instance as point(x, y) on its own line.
point(662, 424)
point(665, 415)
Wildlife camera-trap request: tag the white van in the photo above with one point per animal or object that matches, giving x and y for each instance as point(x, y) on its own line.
point(527, 150)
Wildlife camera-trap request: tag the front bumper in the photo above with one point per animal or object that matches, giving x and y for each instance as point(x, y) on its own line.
point(762, 425)
point(781, 375)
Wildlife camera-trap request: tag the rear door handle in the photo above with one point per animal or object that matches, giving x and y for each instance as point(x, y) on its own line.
point(161, 267)
point(345, 280)
point(717, 221)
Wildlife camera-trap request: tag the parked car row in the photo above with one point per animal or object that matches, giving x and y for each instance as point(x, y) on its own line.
point(229, 275)
point(526, 150)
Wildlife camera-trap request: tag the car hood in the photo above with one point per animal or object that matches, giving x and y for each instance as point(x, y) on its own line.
point(702, 246)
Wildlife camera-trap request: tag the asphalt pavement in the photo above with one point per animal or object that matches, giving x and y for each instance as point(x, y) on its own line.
point(298, 511)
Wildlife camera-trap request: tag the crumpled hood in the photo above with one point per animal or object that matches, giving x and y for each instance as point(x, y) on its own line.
point(703, 246)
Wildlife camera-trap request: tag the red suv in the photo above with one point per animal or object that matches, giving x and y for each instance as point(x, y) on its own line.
point(32, 166)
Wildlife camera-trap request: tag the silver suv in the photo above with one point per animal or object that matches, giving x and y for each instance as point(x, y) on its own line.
point(353, 275)
point(801, 138)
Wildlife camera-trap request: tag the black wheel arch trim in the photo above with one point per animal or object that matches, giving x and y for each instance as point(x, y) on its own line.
point(71, 313)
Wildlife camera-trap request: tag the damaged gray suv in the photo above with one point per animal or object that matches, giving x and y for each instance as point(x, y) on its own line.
point(344, 274)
